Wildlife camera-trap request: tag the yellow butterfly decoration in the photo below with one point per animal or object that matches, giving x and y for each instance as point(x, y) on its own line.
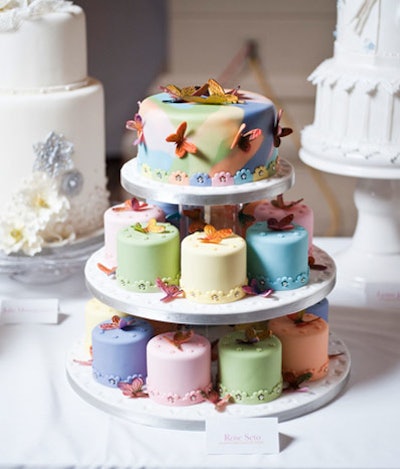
point(214, 236)
point(209, 93)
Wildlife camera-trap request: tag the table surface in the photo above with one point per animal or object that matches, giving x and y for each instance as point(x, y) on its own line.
point(45, 424)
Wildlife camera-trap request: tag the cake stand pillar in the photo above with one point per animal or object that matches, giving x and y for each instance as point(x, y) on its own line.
point(374, 254)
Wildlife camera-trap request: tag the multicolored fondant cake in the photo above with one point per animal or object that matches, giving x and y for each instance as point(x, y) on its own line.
point(213, 266)
point(119, 350)
point(146, 253)
point(53, 189)
point(277, 254)
point(305, 341)
point(250, 366)
point(179, 368)
point(206, 136)
point(120, 216)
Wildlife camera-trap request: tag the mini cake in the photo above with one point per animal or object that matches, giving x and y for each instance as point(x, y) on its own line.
point(95, 313)
point(205, 136)
point(145, 253)
point(179, 368)
point(213, 266)
point(123, 215)
point(320, 309)
point(250, 366)
point(303, 215)
point(119, 350)
point(277, 254)
point(305, 340)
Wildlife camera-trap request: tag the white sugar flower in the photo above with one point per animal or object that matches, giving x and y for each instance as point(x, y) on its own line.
point(18, 235)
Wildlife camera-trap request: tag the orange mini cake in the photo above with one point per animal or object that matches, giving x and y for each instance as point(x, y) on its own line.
point(305, 339)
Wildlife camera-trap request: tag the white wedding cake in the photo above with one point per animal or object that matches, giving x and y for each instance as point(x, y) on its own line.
point(52, 129)
point(357, 110)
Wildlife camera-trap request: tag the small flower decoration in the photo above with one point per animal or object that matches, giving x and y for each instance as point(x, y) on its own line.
point(182, 145)
point(284, 224)
point(243, 176)
point(171, 291)
point(214, 236)
point(117, 323)
point(219, 402)
point(146, 171)
point(253, 337)
point(134, 389)
point(137, 125)
point(110, 271)
point(254, 289)
point(279, 131)
point(180, 337)
point(243, 139)
point(298, 319)
point(314, 266)
point(131, 204)
point(160, 175)
point(200, 179)
point(151, 227)
point(197, 222)
point(280, 203)
point(222, 178)
point(179, 178)
point(261, 172)
point(292, 382)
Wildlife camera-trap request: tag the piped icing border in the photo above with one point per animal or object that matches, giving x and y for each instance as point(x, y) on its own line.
point(256, 397)
point(191, 397)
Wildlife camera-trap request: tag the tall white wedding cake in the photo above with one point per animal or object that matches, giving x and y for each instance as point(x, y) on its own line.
point(52, 130)
point(357, 110)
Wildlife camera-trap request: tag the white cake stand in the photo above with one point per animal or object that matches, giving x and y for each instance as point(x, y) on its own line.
point(289, 405)
point(373, 257)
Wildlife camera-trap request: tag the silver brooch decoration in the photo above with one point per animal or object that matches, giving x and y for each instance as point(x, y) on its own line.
point(71, 183)
point(54, 156)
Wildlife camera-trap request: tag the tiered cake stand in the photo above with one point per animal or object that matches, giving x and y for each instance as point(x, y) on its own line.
point(181, 311)
point(373, 257)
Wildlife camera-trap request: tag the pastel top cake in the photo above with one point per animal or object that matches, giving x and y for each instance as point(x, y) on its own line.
point(179, 368)
point(146, 253)
point(53, 187)
point(213, 266)
point(357, 109)
point(120, 216)
point(277, 254)
point(205, 136)
point(250, 366)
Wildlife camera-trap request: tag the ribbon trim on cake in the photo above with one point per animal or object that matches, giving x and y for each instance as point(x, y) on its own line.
point(14, 12)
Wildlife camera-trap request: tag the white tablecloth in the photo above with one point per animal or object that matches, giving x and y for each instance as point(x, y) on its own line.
point(44, 423)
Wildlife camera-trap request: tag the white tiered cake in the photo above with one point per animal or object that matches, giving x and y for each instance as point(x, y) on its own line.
point(357, 113)
point(52, 181)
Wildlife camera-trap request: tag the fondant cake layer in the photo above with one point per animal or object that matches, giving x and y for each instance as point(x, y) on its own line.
point(42, 51)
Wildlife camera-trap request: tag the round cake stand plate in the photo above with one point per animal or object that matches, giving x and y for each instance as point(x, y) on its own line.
point(182, 311)
point(54, 263)
point(146, 188)
point(291, 404)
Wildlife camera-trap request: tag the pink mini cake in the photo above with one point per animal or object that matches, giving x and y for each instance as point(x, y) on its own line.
point(305, 339)
point(178, 368)
point(303, 215)
point(122, 215)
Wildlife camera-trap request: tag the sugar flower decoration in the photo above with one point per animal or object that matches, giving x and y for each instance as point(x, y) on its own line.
point(182, 144)
point(136, 124)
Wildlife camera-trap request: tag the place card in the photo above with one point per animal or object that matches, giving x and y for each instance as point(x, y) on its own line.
point(383, 295)
point(229, 435)
point(29, 311)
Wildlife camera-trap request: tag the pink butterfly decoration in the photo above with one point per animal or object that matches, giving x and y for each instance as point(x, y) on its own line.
point(134, 389)
point(131, 204)
point(171, 291)
point(137, 125)
point(220, 403)
point(117, 323)
point(253, 289)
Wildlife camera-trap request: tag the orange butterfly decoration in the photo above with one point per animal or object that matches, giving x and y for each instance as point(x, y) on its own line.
point(212, 235)
point(243, 139)
point(182, 145)
point(180, 337)
point(152, 227)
